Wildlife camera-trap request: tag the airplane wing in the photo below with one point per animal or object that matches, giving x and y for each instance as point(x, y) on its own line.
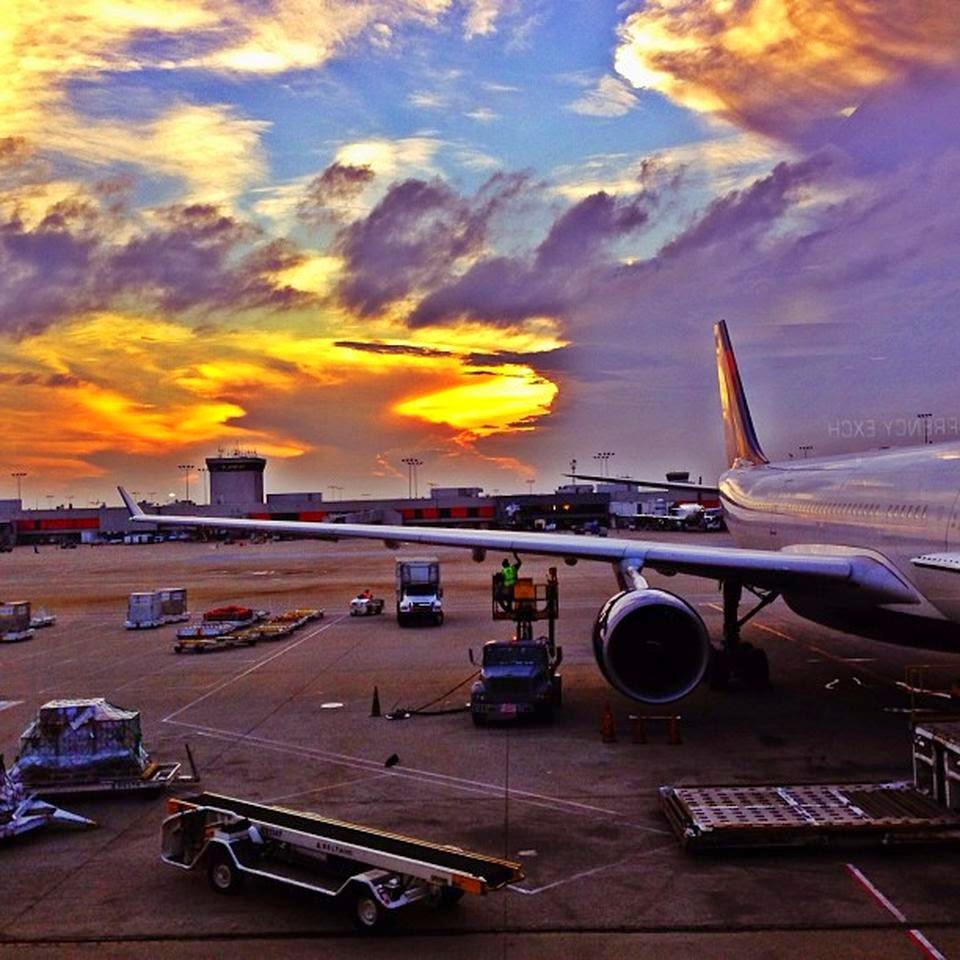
point(683, 486)
point(866, 576)
point(939, 561)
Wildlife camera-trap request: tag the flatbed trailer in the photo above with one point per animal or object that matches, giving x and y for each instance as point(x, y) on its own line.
point(377, 871)
point(707, 818)
point(156, 777)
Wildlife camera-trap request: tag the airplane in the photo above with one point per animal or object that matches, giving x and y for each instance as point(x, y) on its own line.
point(867, 543)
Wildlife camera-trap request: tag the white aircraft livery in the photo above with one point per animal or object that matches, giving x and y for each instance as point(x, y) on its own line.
point(867, 543)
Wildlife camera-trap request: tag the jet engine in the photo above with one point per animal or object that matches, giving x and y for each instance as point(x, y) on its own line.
point(651, 645)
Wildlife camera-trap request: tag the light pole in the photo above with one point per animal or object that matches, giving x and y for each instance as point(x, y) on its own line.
point(925, 419)
point(412, 463)
point(529, 486)
point(603, 457)
point(186, 468)
point(18, 476)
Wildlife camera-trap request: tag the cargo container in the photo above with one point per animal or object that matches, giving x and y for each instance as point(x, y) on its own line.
point(144, 610)
point(15, 621)
point(173, 604)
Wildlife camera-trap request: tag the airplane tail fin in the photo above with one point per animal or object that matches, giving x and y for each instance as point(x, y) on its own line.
point(741, 438)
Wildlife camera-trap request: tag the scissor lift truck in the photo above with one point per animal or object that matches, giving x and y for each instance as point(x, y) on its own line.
point(377, 872)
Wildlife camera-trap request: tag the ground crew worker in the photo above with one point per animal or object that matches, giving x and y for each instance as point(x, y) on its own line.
point(508, 580)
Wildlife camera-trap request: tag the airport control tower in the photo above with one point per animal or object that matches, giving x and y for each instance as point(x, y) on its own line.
point(236, 478)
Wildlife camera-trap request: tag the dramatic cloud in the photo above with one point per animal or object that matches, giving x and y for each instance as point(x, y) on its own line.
point(328, 193)
point(778, 66)
point(507, 290)
point(190, 257)
point(415, 238)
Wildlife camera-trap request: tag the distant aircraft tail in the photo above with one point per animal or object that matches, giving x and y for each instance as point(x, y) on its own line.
point(741, 438)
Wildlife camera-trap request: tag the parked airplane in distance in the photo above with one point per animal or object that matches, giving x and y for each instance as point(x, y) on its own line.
point(868, 543)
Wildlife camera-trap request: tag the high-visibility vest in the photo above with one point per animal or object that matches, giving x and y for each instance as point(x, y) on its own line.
point(509, 574)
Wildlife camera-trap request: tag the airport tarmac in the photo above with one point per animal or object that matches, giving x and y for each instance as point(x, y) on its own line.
point(288, 722)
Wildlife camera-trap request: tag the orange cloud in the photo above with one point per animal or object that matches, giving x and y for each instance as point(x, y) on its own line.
point(773, 65)
point(111, 384)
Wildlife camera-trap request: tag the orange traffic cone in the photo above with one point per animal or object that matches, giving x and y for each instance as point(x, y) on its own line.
point(608, 732)
point(375, 706)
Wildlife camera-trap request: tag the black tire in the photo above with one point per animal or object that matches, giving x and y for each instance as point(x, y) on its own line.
point(719, 670)
point(450, 897)
point(369, 915)
point(479, 719)
point(558, 692)
point(438, 619)
point(222, 872)
point(756, 669)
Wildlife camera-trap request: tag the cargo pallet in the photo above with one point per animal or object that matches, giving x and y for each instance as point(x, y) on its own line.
point(806, 815)
point(379, 872)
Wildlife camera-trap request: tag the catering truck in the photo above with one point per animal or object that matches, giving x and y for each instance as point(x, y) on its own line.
point(419, 594)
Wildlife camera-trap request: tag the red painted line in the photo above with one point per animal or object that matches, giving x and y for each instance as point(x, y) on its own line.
point(913, 935)
point(929, 950)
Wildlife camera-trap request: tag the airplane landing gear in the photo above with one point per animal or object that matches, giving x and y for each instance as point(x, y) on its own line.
point(737, 660)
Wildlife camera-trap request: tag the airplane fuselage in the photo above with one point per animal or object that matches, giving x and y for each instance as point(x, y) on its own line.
point(899, 504)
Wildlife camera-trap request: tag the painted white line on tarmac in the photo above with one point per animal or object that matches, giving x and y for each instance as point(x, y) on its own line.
point(328, 787)
point(534, 891)
point(913, 934)
point(7, 704)
point(260, 663)
point(423, 776)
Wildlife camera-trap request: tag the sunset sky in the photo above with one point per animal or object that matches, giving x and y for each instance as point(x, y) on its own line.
point(492, 234)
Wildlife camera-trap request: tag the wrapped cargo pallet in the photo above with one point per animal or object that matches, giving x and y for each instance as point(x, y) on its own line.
point(81, 738)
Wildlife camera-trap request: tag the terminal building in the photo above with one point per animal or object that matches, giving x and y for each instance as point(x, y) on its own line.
point(237, 490)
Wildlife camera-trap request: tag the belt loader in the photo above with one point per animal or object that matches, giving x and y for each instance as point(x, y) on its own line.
point(376, 871)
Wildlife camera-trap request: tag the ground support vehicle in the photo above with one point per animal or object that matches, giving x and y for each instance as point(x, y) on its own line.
point(366, 606)
point(90, 747)
point(15, 621)
point(22, 812)
point(518, 678)
point(42, 619)
point(377, 872)
point(419, 594)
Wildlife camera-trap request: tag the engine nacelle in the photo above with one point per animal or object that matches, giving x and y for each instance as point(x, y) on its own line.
point(651, 645)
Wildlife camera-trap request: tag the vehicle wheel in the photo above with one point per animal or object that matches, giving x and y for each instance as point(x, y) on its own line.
point(450, 897)
point(178, 648)
point(545, 713)
point(719, 670)
point(368, 913)
point(557, 692)
point(438, 619)
point(222, 872)
point(756, 669)
point(479, 719)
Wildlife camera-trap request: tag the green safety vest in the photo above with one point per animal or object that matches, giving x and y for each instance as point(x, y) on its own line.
point(509, 575)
